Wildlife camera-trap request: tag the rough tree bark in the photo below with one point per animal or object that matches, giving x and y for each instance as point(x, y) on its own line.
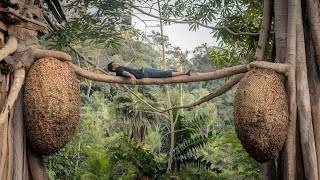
point(314, 89)
point(289, 150)
point(303, 103)
point(20, 28)
point(300, 150)
point(313, 61)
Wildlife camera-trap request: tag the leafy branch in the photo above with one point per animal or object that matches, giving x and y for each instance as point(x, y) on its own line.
point(224, 28)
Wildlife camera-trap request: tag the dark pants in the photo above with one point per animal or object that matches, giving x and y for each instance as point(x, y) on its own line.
point(156, 73)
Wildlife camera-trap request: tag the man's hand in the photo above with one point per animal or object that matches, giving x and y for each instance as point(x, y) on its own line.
point(133, 80)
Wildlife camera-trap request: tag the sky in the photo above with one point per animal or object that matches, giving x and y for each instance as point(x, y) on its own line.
point(179, 34)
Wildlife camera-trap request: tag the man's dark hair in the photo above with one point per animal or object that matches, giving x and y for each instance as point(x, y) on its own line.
point(110, 67)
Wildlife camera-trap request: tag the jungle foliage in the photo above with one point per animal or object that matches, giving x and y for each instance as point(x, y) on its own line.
point(119, 137)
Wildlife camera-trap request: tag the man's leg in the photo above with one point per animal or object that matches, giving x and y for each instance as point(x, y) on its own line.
point(156, 73)
point(180, 73)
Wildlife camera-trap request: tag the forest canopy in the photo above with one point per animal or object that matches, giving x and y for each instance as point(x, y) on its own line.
point(119, 135)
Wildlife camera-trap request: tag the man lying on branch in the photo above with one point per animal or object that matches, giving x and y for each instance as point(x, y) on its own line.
point(135, 74)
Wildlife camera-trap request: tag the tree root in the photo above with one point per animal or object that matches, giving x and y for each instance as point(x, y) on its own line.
point(19, 76)
point(36, 164)
point(314, 19)
point(306, 126)
point(265, 31)
point(40, 53)
point(9, 48)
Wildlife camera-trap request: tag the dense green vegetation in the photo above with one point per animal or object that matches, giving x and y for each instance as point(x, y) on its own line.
point(119, 137)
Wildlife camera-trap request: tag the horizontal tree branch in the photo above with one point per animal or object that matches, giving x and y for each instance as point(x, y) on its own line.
point(41, 53)
point(121, 85)
point(196, 77)
point(218, 92)
point(226, 87)
point(94, 65)
point(194, 22)
point(277, 67)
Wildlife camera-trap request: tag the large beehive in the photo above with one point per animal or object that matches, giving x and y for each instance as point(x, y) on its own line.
point(261, 114)
point(51, 105)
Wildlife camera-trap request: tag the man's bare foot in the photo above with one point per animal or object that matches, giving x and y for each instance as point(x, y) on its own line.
point(188, 72)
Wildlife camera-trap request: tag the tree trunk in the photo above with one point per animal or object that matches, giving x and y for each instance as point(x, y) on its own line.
point(303, 103)
point(172, 135)
point(294, 46)
point(314, 89)
point(17, 159)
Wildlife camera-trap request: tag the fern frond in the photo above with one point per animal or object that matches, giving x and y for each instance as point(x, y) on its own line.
point(191, 145)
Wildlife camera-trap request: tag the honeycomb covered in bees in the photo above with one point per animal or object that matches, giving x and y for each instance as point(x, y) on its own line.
point(51, 105)
point(261, 114)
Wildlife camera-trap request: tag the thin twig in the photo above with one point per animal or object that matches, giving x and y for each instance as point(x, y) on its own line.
point(175, 132)
point(82, 56)
point(143, 101)
point(149, 8)
point(142, 20)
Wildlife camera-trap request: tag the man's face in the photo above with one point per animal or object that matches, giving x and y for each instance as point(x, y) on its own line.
point(114, 66)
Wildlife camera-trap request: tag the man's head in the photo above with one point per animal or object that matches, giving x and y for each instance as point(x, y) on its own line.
point(112, 67)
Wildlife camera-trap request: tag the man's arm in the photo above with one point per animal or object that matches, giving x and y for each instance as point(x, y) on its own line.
point(131, 76)
point(127, 74)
